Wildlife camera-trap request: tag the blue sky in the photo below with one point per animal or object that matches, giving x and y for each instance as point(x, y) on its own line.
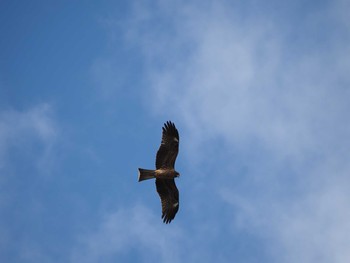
point(259, 91)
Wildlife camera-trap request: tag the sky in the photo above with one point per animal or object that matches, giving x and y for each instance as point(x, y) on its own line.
point(260, 94)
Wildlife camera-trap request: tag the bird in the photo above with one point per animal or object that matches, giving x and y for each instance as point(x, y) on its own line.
point(165, 172)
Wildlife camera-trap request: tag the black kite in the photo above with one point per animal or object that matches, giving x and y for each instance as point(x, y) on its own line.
point(165, 172)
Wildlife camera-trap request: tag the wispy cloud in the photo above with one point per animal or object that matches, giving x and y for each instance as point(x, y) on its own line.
point(126, 231)
point(27, 141)
point(303, 223)
point(21, 130)
point(280, 104)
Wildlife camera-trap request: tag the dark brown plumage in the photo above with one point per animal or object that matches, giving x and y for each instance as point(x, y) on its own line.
point(165, 172)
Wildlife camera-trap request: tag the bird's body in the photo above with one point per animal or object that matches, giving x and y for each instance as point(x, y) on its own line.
point(161, 173)
point(165, 172)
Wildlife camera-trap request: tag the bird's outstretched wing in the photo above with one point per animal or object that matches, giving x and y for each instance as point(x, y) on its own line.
point(169, 196)
point(169, 147)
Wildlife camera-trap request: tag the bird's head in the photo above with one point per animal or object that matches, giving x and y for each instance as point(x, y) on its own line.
point(177, 174)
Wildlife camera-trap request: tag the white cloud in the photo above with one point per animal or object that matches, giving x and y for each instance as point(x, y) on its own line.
point(136, 234)
point(127, 230)
point(244, 82)
point(306, 226)
point(27, 139)
point(315, 228)
point(18, 129)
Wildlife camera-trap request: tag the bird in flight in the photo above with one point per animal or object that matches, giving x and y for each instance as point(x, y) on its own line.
point(165, 172)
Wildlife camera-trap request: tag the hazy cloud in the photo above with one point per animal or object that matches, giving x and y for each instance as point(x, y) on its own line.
point(244, 82)
point(125, 231)
point(31, 131)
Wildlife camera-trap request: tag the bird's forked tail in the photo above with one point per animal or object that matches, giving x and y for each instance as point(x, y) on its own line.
point(145, 174)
